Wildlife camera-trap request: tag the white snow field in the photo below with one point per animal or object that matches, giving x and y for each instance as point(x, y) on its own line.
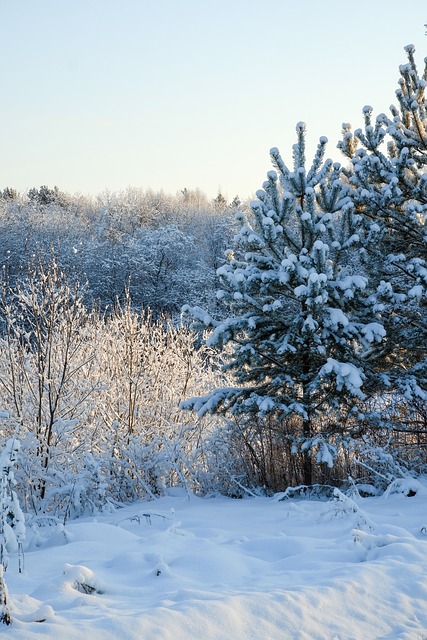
point(218, 568)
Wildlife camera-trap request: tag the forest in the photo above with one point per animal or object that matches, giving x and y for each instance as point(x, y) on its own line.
point(152, 340)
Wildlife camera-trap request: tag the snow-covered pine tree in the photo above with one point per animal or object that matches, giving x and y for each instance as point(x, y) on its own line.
point(388, 177)
point(299, 325)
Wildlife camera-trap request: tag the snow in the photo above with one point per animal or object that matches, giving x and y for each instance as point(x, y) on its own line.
point(374, 332)
point(252, 569)
point(347, 375)
point(337, 317)
point(416, 291)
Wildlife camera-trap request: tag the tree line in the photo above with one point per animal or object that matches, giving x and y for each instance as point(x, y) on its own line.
point(164, 249)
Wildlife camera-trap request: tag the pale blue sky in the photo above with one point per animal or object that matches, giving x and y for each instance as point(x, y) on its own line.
point(167, 94)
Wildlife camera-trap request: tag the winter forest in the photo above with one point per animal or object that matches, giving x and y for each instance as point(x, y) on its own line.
point(151, 341)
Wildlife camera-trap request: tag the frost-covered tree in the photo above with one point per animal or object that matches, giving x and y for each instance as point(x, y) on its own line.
point(12, 522)
point(299, 330)
point(388, 180)
point(164, 249)
point(46, 361)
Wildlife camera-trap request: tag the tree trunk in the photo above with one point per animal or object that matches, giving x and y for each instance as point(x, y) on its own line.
point(307, 465)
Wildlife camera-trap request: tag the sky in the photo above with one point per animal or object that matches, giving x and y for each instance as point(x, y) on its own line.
point(174, 94)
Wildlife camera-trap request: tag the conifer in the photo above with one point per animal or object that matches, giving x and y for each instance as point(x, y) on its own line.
point(300, 328)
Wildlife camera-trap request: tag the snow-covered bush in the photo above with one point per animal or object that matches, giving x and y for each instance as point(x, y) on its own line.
point(376, 459)
point(5, 616)
point(97, 398)
point(12, 522)
point(342, 506)
point(148, 367)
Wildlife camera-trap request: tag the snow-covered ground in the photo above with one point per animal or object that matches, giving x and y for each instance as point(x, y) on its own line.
point(205, 569)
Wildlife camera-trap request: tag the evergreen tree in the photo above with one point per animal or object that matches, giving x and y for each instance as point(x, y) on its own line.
point(299, 326)
point(388, 180)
